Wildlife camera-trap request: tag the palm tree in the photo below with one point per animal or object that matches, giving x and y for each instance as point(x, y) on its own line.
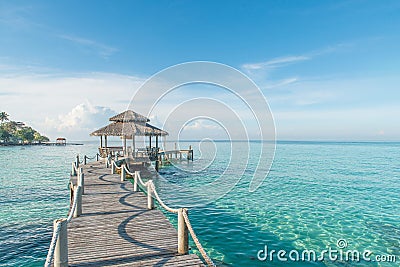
point(3, 116)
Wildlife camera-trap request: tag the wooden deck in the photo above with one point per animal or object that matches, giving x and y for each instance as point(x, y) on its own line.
point(117, 229)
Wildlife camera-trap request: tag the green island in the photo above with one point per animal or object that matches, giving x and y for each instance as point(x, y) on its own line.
point(17, 133)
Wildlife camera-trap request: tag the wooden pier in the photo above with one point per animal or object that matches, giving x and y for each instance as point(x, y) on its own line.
point(115, 224)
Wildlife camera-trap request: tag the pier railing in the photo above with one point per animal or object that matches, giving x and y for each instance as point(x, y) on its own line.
point(58, 249)
point(184, 224)
point(59, 242)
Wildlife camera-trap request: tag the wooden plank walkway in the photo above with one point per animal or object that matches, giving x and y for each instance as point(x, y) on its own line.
point(117, 229)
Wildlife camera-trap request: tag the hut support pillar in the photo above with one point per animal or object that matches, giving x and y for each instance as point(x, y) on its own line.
point(105, 140)
point(124, 141)
point(157, 143)
point(101, 141)
point(133, 146)
point(164, 141)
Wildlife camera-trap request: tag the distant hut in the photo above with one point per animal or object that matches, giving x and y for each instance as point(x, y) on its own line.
point(127, 125)
point(61, 141)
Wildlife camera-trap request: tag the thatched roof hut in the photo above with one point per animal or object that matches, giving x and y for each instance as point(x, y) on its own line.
point(129, 116)
point(128, 129)
point(129, 124)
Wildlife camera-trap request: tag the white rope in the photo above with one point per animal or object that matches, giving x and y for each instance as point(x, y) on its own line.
point(196, 240)
point(56, 231)
point(72, 210)
point(76, 168)
point(90, 157)
point(53, 243)
point(127, 171)
point(185, 216)
point(153, 188)
point(141, 181)
point(116, 167)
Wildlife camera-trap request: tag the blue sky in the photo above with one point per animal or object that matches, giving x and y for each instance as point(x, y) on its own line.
point(329, 69)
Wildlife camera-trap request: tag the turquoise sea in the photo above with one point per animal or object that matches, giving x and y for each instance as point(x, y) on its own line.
point(316, 194)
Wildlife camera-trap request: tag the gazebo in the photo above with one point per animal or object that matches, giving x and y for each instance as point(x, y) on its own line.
point(127, 125)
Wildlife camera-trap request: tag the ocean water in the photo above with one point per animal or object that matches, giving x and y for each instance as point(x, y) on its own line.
point(316, 194)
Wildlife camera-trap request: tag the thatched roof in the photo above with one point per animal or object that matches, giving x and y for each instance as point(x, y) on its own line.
point(129, 116)
point(128, 129)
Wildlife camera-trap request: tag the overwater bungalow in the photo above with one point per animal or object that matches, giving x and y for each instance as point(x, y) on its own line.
point(61, 141)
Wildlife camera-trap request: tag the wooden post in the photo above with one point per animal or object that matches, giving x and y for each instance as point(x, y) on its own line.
point(73, 171)
point(176, 151)
point(124, 147)
point(108, 160)
point(84, 160)
point(81, 180)
point(157, 164)
point(71, 193)
point(133, 146)
point(190, 153)
point(135, 182)
point(157, 142)
point(77, 161)
point(105, 141)
point(123, 174)
point(112, 167)
point(150, 202)
point(78, 208)
point(97, 156)
point(61, 250)
point(101, 141)
point(183, 240)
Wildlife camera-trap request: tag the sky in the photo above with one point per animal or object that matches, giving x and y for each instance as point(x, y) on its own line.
point(329, 70)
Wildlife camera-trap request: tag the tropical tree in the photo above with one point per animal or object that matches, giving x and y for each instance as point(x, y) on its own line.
point(4, 135)
point(40, 138)
point(26, 134)
point(3, 116)
point(10, 126)
point(11, 131)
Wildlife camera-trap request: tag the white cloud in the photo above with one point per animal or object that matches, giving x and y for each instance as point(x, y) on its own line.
point(274, 63)
point(253, 69)
point(32, 97)
point(102, 49)
point(79, 122)
point(201, 125)
point(280, 83)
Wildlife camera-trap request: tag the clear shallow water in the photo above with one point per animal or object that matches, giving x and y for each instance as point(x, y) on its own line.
point(316, 193)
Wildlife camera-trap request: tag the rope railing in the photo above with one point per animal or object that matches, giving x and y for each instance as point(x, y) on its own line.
point(91, 158)
point(75, 210)
point(57, 227)
point(116, 166)
point(53, 243)
point(196, 240)
point(60, 226)
point(151, 189)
